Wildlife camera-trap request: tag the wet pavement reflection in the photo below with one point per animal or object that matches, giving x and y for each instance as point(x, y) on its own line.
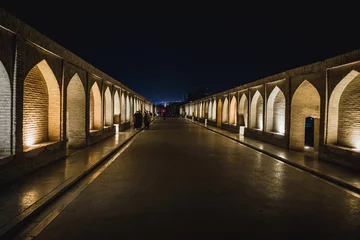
point(19, 195)
point(181, 181)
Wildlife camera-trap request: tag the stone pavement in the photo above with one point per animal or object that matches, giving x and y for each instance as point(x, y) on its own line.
point(343, 176)
point(28, 195)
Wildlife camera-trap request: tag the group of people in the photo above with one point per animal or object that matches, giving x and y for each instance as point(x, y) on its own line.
point(139, 117)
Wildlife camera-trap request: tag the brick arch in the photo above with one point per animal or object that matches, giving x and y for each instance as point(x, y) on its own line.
point(75, 113)
point(219, 113)
point(201, 110)
point(5, 113)
point(225, 111)
point(243, 111)
point(210, 110)
point(300, 110)
point(108, 110)
point(214, 115)
point(123, 108)
point(232, 113)
point(116, 107)
point(344, 112)
point(256, 111)
point(275, 117)
point(95, 108)
point(127, 108)
point(41, 106)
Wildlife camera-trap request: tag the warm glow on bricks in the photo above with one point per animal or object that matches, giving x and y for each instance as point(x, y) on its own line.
point(256, 117)
point(305, 103)
point(95, 108)
point(344, 112)
point(275, 117)
point(233, 113)
point(41, 109)
point(225, 111)
point(243, 110)
point(5, 112)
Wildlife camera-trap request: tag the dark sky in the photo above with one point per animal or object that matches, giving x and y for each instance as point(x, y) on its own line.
point(163, 56)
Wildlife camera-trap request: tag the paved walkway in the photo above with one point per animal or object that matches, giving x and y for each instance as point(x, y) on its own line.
point(28, 194)
point(329, 171)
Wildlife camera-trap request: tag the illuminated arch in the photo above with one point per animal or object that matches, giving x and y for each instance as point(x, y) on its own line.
point(41, 106)
point(75, 113)
point(210, 110)
point(243, 111)
point(116, 107)
point(108, 110)
point(344, 112)
point(232, 113)
point(5, 112)
point(225, 111)
point(275, 117)
point(214, 108)
point(300, 110)
point(256, 114)
point(95, 108)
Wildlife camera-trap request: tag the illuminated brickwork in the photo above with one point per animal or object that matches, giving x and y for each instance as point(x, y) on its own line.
point(5, 112)
point(75, 115)
point(275, 117)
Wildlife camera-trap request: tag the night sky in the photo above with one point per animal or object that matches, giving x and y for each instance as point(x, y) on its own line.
point(163, 56)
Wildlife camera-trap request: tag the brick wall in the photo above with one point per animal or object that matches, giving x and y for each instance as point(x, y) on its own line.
point(35, 108)
point(5, 113)
point(279, 113)
point(256, 118)
point(225, 111)
point(128, 110)
point(108, 109)
point(349, 115)
point(75, 114)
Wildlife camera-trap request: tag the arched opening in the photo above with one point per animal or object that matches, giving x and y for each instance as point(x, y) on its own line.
point(95, 108)
point(201, 110)
point(256, 114)
point(116, 107)
point(275, 117)
point(5, 113)
point(108, 110)
point(128, 110)
point(344, 113)
point(75, 113)
point(210, 110)
point(219, 113)
point(214, 111)
point(41, 107)
point(225, 111)
point(243, 111)
point(300, 110)
point(232, 113)
point(123, 108)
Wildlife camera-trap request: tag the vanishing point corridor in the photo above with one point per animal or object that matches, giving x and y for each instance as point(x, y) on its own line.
point(181, 181)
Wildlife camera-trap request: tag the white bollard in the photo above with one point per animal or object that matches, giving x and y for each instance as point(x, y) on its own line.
point(205, 122)
point(241, 130)
point(192, 118)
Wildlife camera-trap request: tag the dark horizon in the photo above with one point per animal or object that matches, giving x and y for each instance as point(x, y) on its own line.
point(162, 58)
